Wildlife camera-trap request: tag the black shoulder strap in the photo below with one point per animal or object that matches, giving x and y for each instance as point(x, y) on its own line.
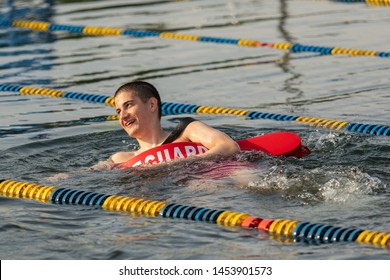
point(178, 130)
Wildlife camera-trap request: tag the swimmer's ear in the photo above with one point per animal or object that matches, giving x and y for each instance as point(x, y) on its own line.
point(153, 104)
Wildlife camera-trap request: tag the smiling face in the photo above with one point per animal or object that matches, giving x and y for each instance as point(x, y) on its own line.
point(135, 115)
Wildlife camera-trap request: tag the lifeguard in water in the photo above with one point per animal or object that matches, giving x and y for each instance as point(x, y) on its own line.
point(138, 105)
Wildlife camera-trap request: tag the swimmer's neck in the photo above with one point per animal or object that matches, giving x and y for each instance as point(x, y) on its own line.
point(151, 141)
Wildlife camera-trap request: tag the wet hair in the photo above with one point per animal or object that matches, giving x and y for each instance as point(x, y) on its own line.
point(143, 90)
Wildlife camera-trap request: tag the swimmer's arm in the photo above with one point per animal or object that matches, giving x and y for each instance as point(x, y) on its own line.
point(101, 165)
point(104, 164)
point(107, 164)
point(113, 160)
point(217, 142)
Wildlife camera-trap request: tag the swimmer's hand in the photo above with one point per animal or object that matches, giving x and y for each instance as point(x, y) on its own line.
point(58, 177)
point(104, 165)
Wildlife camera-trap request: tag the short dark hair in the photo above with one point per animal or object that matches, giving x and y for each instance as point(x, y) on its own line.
point(143, 90)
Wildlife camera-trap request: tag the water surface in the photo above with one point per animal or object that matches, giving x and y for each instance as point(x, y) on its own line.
point(344, 182)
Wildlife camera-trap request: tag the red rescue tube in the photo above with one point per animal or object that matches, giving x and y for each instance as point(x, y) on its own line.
point(276, 144)
point(165, 153)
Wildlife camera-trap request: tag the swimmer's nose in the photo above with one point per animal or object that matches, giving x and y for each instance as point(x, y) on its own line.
point(123, 115)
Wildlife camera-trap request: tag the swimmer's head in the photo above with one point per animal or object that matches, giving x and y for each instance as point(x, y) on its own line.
point(143, 90)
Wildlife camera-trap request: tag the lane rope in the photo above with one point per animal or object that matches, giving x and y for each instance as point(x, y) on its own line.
point(299, 231)
point(169, 108)
point(108, 31)
point(368, 2)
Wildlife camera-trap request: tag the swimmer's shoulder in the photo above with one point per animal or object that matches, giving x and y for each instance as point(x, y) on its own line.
point(113, 160)
point(120, 157)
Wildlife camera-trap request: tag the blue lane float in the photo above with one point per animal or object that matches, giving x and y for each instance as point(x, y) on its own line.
point(169, 108)
point(298, 230)
point(108, 31)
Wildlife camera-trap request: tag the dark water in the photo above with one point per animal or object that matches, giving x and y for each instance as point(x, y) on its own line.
point(344, 182)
